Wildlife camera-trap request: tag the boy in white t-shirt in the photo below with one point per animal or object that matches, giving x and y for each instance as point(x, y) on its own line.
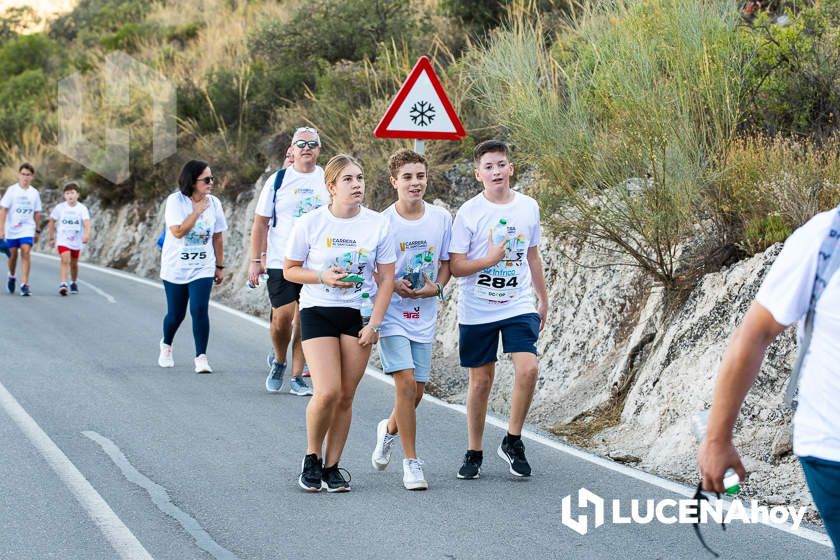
point(495, 255)
point(20, 218)
point(69, 230)
point(420, 233)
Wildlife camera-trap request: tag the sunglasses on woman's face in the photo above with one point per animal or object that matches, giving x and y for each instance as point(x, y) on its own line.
point(207, 180)
point(304, 143)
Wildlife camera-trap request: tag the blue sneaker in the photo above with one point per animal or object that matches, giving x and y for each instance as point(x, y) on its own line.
point(274, 381)
point(24, 290)
point(10, 284)
point(297, 386)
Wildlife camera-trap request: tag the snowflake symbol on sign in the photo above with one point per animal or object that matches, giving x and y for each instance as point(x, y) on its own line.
point(422, 113)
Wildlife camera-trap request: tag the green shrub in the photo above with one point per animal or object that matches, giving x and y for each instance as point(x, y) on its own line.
point(91, 19)
point(626, 132)
point(26, 52)
point(129, 36)
point(761, 233)
point(793, 83)
point(772, 185)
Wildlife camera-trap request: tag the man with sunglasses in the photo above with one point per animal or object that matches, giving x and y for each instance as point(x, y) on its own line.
point(802, 286)
point(301, 189)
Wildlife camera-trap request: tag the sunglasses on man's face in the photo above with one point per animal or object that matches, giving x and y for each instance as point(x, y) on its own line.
point(207, 180)
point(304, 143)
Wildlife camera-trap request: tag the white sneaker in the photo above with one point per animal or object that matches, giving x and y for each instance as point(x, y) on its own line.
point(413, 475)
point(384, 441)
point(165, 358)
point(201, 364)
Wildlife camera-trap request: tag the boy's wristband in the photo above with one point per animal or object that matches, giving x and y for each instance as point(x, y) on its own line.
point(320, 279)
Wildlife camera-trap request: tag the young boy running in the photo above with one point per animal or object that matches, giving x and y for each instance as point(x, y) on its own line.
point(495, 255)
point(421, 235)
point(20, 218)
point(69, 229)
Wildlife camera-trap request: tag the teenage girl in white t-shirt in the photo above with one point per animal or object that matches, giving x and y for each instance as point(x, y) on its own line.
point(191, 259)
point(346, 241)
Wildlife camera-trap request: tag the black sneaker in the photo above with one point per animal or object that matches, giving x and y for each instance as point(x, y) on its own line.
point(310, 476)
point(334, 481)
point(74, 288)
point(514, 456)
point(472, 465)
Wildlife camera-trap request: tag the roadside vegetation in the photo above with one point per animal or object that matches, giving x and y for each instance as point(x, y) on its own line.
point(676, 136)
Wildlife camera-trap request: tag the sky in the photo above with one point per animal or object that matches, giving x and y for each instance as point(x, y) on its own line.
point(43, 7)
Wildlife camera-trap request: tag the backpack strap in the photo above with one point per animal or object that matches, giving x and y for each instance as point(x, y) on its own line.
point(828, 262)
point(278, 180)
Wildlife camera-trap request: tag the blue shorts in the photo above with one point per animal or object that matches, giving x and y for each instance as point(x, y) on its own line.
point(479, 344)
point(398, 353)
point(823, 478)
point(15, 243)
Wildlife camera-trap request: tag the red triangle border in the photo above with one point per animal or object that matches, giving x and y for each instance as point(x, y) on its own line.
point(424, 64)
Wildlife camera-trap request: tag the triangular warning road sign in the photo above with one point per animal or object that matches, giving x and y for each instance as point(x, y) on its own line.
point(421, 109)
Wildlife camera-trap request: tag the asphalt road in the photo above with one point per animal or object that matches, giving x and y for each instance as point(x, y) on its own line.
point(105, 455)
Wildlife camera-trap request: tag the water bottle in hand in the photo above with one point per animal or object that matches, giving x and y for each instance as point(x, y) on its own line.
point(500, 231)
point(699, 424)
point(366, 309)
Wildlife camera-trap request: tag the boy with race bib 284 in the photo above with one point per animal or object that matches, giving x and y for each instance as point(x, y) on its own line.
point(495, 255)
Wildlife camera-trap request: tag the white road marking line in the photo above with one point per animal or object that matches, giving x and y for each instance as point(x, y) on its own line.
point(160, 497)
point(665, 484)
point(121, 538)
point(99, 291)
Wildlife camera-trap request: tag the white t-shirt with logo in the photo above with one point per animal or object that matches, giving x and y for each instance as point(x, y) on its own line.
point(503, 290)
point(356, 244)
point(785, 293)
point(21, 205)
point(70, 224)
point(299, 193)
point(192, 256)
point(414, 240)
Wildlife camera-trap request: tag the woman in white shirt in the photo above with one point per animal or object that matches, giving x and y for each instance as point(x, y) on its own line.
point(191, 259)
point(333, 252)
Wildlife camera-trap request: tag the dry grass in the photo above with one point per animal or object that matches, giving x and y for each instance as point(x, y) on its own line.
point(771, 186)
point(29, 147)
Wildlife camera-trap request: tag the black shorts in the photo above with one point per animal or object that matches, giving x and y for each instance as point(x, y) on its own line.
point(280, 291)
point(316, 322)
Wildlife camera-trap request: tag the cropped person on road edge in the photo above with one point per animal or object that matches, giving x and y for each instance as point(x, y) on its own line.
point(192, 259)
point(801, 286)
point(20, 222)
point(69, 230)
point(495, 255)
point(288, 194)
point(420, 233)
point(333, 252)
